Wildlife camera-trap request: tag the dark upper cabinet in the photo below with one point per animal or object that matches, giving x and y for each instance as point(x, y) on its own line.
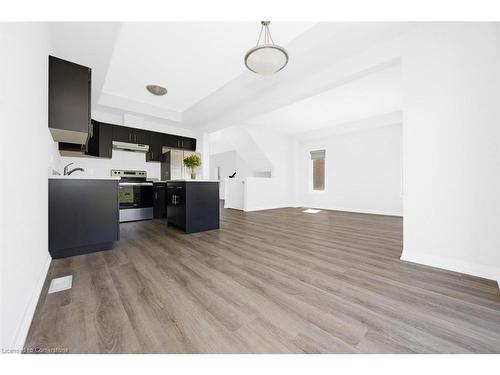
point(121, 134)
point(183, 143)
point(100, 140)
point(188, 144)
point(171, 141)
point(156, 143)
point(141, 136)
point(155, 140)
point(130, 135)
point(69, 101)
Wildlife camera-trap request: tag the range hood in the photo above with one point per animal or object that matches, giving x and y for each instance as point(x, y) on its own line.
point(130, 146)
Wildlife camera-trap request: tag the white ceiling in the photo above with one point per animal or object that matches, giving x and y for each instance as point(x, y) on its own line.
point(201, 64)
point(374, 94)
point(190, 59)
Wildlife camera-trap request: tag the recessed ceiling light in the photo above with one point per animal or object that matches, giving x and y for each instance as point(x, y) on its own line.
point(156, 90)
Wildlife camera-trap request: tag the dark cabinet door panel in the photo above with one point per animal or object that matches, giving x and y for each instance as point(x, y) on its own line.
point(105, 140)
point(122, 134)
point(141, 136)
point(159, 210)
point(156, 143)
point(69, 100)
point(99, 143)
point(83, 216)
point(188, 144)
point(202, 206)
point(193, 206)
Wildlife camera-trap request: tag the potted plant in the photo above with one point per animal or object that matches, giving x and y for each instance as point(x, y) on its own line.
point(192, 161)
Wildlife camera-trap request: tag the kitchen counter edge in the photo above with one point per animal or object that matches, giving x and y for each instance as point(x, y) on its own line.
point(83, 178)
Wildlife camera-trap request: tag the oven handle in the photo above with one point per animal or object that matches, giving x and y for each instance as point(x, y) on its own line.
point(135, 184)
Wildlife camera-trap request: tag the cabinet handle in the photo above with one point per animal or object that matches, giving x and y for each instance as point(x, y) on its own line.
point(156, 195)
point(135, 137)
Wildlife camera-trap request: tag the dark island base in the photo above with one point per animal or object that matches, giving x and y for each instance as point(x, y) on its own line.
point(201, 228)
point(193, 206)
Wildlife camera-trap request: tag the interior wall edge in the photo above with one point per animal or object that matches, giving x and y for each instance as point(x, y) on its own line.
point(29, 312)
point(455, 265)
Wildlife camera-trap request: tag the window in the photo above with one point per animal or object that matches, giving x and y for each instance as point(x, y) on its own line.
point(318, 170)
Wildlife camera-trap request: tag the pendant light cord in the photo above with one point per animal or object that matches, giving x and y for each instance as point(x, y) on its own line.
point(267, 35)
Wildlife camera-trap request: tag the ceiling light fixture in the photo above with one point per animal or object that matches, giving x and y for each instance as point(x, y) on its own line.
point(266, 57)
point(156, 90)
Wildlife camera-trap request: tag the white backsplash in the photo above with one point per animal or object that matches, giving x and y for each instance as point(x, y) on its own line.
point(101, 167)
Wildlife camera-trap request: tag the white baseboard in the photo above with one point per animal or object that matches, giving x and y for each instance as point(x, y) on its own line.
point(355, 210)
point(474, 269)
point(22, 331)
point(295, 205)
point(270, 207)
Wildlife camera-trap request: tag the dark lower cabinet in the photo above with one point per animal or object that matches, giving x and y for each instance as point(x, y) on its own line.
point(176, 208)
point(159, 204)
point(193, 206)
point(83, 216)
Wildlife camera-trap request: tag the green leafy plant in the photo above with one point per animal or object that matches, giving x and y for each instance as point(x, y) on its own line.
point(192, 161)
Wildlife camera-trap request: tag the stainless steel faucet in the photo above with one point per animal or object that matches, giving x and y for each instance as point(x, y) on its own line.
point(67, 173)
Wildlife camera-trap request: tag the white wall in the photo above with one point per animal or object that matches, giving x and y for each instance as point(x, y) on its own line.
point(279, 190)
point(238, 138)
point(362, 170)
point(451, 143)
point(255, 150)
point(27, 154)
point(235, 193)
point(229, 162)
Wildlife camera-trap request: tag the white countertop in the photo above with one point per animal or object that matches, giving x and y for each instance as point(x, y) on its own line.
point(81, 177)
point(188, 180)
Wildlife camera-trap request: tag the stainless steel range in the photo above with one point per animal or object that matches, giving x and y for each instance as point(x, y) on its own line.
point(135, 195)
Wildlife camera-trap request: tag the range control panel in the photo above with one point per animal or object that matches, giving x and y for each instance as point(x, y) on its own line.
point(128, 173)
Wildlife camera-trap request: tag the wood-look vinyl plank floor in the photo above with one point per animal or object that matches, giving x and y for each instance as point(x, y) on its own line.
point(275, 281)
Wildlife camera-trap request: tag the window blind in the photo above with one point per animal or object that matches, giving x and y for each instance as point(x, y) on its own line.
point(318, 154)
point(318, 158)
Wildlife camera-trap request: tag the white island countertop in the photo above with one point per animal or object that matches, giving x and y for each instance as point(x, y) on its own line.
point(81, 177)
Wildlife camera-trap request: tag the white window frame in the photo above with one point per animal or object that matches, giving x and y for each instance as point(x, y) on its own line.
point(311, 172)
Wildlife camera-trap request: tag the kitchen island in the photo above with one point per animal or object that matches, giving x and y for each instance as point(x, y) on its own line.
point(193, 205)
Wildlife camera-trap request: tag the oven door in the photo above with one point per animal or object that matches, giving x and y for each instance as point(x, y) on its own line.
point(136, 201)
point(135, 195)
